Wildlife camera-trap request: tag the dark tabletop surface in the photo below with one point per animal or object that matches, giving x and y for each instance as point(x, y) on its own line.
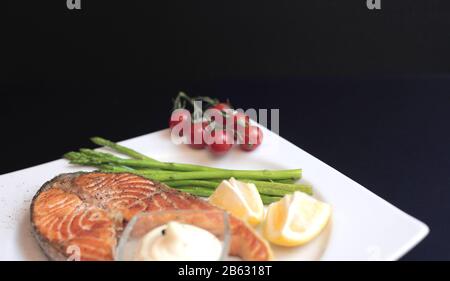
point(367, 92)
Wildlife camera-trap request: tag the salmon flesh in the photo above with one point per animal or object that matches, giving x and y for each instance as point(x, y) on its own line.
point(88, 212)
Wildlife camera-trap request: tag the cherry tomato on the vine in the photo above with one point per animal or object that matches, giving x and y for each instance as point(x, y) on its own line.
point(179, 116)
point(240, 119)
point(222, 141)
point(220, 117)
point(221, 106)
point(197, 140)
point(252, 138)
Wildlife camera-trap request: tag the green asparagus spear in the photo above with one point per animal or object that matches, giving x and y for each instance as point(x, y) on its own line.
point(256, 174)
point(268, 188)
point(96, 158)
point(122, 149)
point(204, 192)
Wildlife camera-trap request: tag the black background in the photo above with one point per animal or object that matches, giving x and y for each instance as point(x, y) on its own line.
point(367, 92)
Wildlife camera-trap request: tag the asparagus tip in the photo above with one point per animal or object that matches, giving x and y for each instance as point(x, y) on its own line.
point(70, 155)
point(99, 140)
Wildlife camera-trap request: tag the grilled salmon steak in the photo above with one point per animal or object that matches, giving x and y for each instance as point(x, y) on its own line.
point(88, 211)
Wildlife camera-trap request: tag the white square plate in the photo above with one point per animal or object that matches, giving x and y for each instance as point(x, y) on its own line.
point(363, 226)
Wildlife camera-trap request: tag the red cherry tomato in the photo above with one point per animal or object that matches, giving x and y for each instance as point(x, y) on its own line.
point(179, 116)
point(241, 120)
point(197, 140)
point(220, 116)
point(221, 106)
point(205, 124)
point(222, 141)
point(252, 138)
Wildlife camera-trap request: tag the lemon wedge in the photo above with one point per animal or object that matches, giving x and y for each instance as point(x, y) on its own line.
point(295, 220)
point(240, 199)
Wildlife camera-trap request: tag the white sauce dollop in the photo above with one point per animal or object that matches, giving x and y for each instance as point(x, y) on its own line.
point(179, 242)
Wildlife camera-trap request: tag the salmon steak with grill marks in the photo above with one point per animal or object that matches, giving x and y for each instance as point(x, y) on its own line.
point(90, 210)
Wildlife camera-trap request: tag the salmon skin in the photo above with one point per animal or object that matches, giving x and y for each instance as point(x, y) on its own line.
point(82, 215)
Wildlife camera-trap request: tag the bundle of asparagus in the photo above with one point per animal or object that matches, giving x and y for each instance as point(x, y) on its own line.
point(195, 179)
